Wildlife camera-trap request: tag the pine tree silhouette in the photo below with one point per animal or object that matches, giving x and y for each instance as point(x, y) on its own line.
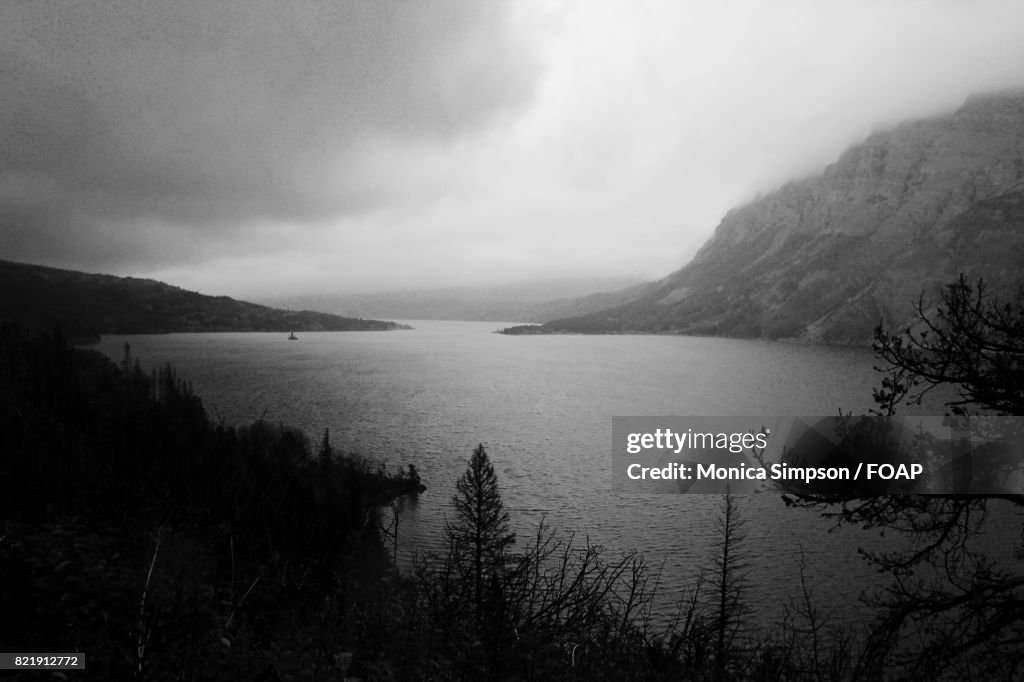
point(480, 531)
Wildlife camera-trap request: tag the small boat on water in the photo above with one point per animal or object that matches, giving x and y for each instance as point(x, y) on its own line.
point(292, 337)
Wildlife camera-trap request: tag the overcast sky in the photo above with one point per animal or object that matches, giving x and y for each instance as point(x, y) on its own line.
point(257, 148)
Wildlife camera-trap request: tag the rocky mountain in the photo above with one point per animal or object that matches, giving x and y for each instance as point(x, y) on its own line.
point(539, 301)
point(826, 258)
point(86, 305)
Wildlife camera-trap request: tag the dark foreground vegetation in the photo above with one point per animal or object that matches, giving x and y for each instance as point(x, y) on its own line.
point(169, 547)
point(165, 546)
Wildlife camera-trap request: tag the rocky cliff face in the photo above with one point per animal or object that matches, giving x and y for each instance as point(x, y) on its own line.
point(825, 258)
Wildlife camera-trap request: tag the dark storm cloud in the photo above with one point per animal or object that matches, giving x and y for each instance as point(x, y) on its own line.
point(120, 119)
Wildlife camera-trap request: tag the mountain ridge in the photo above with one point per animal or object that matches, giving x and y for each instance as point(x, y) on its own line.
point(86, 305)
point(825, 258)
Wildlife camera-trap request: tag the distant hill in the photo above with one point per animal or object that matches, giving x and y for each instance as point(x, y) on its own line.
point(526, 302)
point(87, 305)
point(826, 258)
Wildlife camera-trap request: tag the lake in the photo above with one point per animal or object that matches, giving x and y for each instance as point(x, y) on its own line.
point(542, 406)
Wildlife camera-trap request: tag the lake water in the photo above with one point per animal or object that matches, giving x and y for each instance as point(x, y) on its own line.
point(542, 406)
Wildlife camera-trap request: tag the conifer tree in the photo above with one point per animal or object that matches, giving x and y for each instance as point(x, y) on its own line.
point(480, 531)
point(728, 580)
point(326, 451)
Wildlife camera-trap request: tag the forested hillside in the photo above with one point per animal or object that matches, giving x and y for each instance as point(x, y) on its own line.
point(85, 306)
